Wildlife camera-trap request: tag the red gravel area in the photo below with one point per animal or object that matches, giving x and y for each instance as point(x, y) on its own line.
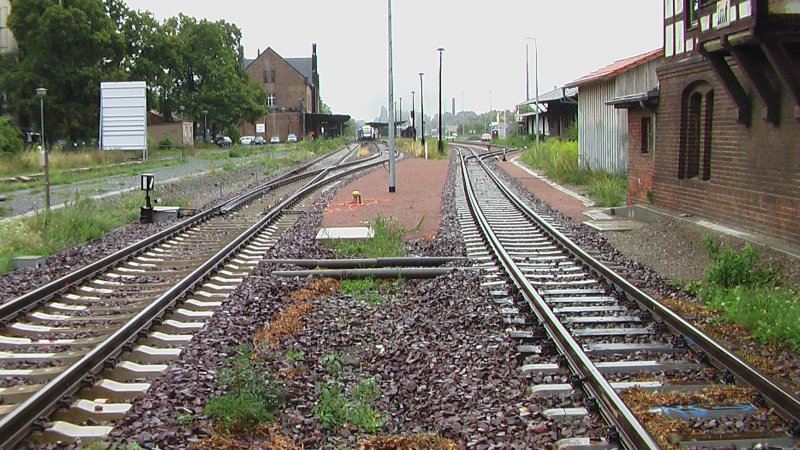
point(420, 185)
point(565, 204)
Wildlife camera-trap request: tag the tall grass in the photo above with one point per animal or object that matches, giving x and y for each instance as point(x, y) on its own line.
point(413, 147)
point(558, 160)
point(27, 162)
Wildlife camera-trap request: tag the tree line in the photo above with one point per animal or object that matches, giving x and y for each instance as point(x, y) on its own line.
point(70, 46)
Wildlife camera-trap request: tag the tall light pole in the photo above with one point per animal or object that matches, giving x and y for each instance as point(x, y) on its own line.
point(205, 125)
point(421, 113)
point(392, 185)
point(463, 117)
point(440, 145)
point(400, 119)
point(485, 121)
point(413, 119)
point(41, 92)
point(536, 76)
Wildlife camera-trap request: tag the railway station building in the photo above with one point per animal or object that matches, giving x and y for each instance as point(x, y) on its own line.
point(727, 129)
point(293, 97)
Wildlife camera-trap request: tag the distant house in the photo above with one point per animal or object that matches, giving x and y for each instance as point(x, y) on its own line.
point(727, 142)
point(7, 41)
point(602, 128)
point(159, 129)
point(558, 111)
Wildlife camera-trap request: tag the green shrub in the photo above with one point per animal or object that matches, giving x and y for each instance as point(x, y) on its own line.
point(731, 268)
point(166, 142)
point(251, 394)
point(10, 136)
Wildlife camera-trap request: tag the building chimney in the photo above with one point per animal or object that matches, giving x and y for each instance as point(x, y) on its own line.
point(259, 53)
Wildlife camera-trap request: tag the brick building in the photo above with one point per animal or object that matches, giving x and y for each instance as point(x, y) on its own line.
point(727, 130)
point(292, 87)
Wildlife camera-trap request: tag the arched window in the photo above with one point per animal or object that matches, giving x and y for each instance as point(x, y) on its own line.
point(697, 119)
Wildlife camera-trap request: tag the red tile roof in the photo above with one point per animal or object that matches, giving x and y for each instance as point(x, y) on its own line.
point(615, 68)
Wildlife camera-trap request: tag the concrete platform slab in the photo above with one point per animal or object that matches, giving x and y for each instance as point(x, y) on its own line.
point(331, 233)
point(614, 225)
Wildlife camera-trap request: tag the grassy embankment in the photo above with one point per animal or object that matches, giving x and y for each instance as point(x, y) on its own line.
point(72, 166)
point(85, 219)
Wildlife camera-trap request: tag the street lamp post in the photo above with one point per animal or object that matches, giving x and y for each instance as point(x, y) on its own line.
point(392, 185)
point(205, 125)
point(421, 113)
point(413, 119)
point(182, 108)
point(536, 76)
point(440, 145)
point(400, 118)
point(41, 92)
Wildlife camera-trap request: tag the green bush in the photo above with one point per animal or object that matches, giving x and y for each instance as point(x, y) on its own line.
point(166, 142)
point(730, 268)
point(10, 136)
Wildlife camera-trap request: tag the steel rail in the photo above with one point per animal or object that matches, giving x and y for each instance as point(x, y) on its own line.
point(633, 434)
point(785, 402)
point(361, 263)
point(16, 425)
point(13, 308)
point(283, 180)
point(378, 272)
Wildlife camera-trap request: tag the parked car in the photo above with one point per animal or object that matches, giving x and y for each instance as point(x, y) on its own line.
point(223, 141)
point(258, 140)
point(246, 140)
point(486, 137)
point(275, 140)
point(291, 138)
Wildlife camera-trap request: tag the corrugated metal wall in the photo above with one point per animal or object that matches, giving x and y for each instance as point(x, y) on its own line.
point(602, 129)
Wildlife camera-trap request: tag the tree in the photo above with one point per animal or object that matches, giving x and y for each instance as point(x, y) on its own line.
point(66, 47)
point(10, 136)
point(324, 108)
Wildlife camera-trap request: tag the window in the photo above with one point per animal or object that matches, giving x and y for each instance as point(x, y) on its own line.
point(269, 75)
point(648, 135)
point(697, 118)
point(692, 9)
point(270, 100)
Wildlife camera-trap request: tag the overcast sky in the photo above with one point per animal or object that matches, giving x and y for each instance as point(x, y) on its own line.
point(484, 44)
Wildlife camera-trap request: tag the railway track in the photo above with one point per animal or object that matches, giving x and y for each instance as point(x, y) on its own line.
point(590, 338)
point(81, 348)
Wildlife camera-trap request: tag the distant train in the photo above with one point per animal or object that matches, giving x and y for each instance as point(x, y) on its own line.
point(368, 133)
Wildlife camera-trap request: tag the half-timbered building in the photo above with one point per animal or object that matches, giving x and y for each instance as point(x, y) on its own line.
point(727, 134)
